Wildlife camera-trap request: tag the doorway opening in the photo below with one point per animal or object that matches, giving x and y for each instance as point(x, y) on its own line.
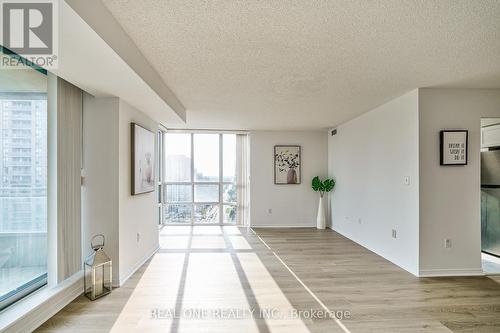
point(490, 195)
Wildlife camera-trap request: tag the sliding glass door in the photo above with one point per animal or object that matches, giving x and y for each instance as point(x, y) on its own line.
point(23, 183)
point(199, 178)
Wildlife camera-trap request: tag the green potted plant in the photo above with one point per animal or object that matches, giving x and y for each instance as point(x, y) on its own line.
point(322, 187)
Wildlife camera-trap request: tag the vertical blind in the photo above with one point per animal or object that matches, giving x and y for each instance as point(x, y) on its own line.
point(69, 126)
point(242, 179)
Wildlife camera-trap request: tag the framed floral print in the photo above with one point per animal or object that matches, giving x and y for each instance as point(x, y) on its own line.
point(287, 164)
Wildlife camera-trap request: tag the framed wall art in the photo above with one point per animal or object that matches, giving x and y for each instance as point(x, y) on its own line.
point(287, 164)
point(143, 159)
point(453, 147)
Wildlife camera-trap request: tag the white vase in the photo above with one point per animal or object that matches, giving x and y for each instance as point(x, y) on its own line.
point(321, 219)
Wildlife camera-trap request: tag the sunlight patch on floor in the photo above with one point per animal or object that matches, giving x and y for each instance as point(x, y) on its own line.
point(212, 269)
point(239, 243)
point(208, 242)
point(174, 243)
point(207, 230)
point(337, 321)
point(269, 295)
point(212, 283)
point(231, 230)
point(157, 288)
point(176, 230)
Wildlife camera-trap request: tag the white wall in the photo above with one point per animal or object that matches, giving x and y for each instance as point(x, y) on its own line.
point(138, 213)
point(450, 196)
point(107, 205)
point(291, 205)
point(100, 176)
point(369, 158)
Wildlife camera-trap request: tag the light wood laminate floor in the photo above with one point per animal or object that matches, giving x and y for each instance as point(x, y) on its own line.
point(229, 272)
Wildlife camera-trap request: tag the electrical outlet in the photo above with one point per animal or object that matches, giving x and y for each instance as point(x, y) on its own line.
point(406, 180)
point(394, 233)
point(447, 243)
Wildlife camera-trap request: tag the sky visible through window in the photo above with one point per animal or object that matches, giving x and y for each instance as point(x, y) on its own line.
point(206, 157)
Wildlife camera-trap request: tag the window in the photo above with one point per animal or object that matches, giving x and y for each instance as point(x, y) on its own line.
point(178, 161)
point(23, 184)
point(200, 178)
point(206, 157)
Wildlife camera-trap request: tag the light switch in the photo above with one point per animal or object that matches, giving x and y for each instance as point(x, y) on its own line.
point(406, 180)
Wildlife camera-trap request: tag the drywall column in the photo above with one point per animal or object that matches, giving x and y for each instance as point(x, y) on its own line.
point(100, 176)
point(138, 214)
point(450, 195)
point(128, 222)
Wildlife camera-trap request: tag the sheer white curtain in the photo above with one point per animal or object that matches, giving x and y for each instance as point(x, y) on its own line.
point(242, 179)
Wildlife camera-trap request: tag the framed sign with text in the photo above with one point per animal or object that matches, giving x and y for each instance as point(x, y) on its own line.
point(454, 145)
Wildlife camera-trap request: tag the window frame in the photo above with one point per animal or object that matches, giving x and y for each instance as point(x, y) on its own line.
point(220, 183)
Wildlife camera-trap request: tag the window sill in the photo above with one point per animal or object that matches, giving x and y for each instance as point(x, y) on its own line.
point(32, 311)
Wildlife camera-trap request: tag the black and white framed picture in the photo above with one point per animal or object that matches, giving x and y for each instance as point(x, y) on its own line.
point(143, 159)
point(287, 164)
point(454, 145)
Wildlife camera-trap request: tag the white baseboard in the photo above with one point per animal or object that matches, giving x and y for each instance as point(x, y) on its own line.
point(31, 312)
point(408, 269)
point(123, 278)
point(451, 272)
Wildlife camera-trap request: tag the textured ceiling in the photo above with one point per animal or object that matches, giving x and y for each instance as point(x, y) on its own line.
point(309, 64)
